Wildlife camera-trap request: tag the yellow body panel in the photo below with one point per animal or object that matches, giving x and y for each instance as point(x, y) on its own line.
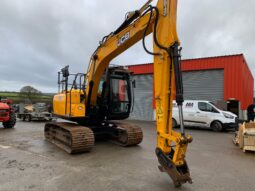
point(61, 104)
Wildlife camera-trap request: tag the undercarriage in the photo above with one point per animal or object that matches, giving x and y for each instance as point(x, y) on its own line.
point(74, 138)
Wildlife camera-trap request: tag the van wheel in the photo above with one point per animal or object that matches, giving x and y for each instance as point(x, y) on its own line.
point(216, 126)
point(174, 123)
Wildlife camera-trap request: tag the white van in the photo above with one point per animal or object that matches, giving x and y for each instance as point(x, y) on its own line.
point(200, 113)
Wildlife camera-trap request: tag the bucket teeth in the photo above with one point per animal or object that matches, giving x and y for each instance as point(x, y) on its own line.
point(179, 174)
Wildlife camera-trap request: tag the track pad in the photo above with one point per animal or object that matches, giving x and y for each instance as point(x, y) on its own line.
point(179, 174)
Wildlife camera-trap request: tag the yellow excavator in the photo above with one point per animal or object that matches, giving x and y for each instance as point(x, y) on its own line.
point(93, 101)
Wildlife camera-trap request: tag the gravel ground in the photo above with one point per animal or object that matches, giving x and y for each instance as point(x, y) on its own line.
point(28, 162)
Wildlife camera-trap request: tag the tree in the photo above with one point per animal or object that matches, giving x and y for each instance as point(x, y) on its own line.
point(29, 92)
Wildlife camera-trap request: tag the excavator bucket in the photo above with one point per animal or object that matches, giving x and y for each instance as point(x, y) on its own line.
point(179, 174)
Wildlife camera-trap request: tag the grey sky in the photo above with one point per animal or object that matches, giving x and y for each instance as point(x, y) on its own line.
point(38, 37)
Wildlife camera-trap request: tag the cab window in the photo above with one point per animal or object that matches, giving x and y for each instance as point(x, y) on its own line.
point(206, 107)
point(120, 99)
point(100, 88)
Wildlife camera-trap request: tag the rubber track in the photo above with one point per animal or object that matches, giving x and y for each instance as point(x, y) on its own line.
point(70, 137)
point(131, 135)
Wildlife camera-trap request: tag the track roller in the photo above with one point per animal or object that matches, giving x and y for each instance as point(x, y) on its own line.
point(130, 134)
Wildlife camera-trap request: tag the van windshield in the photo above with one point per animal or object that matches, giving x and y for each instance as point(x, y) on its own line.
point(218, 106)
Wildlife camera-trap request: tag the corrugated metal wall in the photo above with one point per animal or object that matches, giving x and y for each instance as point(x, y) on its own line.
point(204, 85)
point(238, 79)
point(143, 109)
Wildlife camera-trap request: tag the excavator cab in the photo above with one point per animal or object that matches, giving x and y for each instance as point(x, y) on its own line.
point(114, 96)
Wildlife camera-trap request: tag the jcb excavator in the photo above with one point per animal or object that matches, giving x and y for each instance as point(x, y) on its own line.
point(104, 93)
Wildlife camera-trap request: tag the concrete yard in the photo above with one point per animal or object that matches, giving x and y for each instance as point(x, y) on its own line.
point(28, 162)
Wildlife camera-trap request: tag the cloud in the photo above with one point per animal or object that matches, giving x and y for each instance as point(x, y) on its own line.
point(38, 37)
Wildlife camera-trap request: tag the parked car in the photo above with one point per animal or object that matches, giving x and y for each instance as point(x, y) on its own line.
point(201, 113)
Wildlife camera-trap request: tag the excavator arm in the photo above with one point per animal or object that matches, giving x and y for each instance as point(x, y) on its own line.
point(161, 21)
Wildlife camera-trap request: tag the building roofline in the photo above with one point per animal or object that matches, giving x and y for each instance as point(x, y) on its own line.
point(209, 57)
point(202, 58)
point(139, 64)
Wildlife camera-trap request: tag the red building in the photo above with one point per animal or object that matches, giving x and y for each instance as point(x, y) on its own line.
point(222, 78)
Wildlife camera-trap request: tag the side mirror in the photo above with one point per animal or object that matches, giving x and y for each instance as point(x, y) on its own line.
point(133, 84)
point(65, 71)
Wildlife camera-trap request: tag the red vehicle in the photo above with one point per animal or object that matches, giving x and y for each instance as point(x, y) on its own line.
point(7, 115)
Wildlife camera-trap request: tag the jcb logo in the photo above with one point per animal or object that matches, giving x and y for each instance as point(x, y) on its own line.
point(123, 38)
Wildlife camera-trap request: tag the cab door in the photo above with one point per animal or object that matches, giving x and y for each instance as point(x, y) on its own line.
point(205, 114)
point(119, 98)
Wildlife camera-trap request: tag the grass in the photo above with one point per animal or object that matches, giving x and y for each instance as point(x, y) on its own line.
point(18, 98)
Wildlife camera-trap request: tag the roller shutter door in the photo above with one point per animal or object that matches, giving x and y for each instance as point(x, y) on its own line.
point(204, 85)
point(143, 98)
